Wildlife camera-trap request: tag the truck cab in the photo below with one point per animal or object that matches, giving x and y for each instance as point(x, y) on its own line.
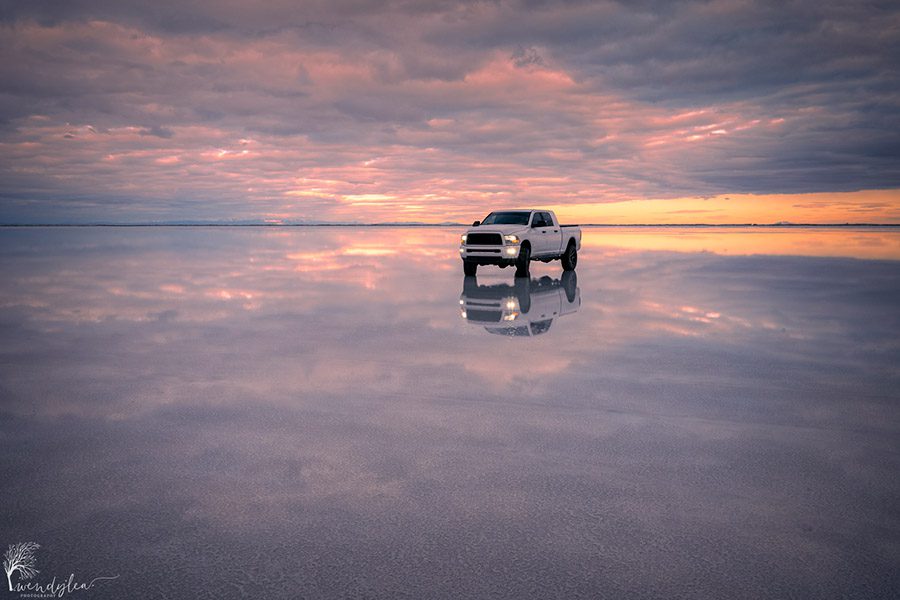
point(517, 237)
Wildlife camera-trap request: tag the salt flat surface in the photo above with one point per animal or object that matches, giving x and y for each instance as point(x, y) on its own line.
point(337, 413)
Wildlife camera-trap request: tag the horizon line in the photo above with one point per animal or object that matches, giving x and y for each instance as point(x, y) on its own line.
point(418, 224)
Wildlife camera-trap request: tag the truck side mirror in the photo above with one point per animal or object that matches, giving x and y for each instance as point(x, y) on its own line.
point(476, 223)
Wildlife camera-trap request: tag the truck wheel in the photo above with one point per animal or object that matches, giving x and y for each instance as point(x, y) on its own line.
point(470, 285)
point(523, 294)
point(523, 262)
point(570, 285)
point(570, 257)
point(469, 267)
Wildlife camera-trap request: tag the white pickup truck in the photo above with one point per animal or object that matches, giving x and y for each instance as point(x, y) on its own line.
point(526, 308)
point(517, 237)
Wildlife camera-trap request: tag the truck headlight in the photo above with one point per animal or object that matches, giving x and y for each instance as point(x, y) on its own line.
point(462, 239)
point(512, 239)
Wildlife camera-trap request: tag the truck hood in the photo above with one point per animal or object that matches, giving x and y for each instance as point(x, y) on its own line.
point(503, 229)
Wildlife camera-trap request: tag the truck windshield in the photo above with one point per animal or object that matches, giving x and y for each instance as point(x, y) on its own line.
point(507, 218)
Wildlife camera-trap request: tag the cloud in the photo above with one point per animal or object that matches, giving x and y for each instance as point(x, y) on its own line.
point(444, 105)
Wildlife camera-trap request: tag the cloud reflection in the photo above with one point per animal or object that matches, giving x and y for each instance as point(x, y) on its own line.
point(193, 393)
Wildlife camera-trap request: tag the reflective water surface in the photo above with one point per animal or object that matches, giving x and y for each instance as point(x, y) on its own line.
point(338, 412)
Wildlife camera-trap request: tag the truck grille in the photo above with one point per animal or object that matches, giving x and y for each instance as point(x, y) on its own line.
point(484, 239)
point(484, 316)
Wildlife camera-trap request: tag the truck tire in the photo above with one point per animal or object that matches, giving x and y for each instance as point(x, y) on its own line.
point(523, 294)
point(470, 285)
point(570, 285)
point(524, 261)
point(570, 257)
point(469, 267)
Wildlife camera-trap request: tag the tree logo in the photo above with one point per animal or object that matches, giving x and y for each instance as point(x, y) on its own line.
point(20, 557)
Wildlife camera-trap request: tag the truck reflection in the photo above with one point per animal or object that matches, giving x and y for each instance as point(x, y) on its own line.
point(526, 308)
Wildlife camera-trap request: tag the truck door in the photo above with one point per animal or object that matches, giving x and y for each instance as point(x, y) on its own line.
point(545, 300)
point(553, 235)
point(542, 238)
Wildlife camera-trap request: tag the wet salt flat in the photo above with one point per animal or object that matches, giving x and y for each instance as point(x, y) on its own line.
point(339, 413)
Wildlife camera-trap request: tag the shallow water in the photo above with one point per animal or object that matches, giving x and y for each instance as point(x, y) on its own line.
point(337, 412)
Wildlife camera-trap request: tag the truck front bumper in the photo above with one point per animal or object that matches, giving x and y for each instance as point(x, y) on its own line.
point(481, 311)
point(490, 255)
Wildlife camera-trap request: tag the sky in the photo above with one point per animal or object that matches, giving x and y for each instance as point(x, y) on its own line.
point(722, 111)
